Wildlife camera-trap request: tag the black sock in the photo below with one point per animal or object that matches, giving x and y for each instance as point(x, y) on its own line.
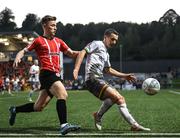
point(29, 107)
point(61, 110)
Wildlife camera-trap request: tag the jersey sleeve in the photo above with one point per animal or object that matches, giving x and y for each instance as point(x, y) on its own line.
point(32, 46)
point(107, 63)
point(63, 46)
point(90, 47)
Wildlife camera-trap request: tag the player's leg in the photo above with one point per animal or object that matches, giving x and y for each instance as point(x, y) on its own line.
point(106, 105)
point(40, 103)
point(42, 100)
point(97, 88)
point(31, 92)
point(30, 95)
point(117, 98)
point(35, 86)
point(59, 91)
point(9, 89)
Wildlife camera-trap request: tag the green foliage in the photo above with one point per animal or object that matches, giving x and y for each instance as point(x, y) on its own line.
point(7, 20)
point(30, 22)
point(154, 40)
point(176, 83)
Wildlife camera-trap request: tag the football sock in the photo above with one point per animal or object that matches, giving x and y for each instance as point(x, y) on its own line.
point(61, 110)
point(107, 103)
point(125, 113)
point(29, 107)
point(30, 93)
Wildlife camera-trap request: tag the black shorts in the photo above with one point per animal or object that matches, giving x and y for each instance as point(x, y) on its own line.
point(96, 86)
point(47, 78)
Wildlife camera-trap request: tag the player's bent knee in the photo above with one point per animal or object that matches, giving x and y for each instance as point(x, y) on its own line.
point(62, 96)
point(66, 96)
point(120, 100)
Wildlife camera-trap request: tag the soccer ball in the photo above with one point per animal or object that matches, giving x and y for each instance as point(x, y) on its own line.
point(151, 86)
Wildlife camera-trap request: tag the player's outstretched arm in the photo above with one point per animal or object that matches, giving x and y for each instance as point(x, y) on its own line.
point(71, 53)
point(78, 62)
point(18, 58)
point(128, 76)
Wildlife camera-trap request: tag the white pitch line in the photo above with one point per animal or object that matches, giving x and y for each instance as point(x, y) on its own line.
point(174, 92)
point(95, 134)
point(12, 97)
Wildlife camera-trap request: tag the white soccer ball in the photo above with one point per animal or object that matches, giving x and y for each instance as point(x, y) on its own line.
point(151, 86)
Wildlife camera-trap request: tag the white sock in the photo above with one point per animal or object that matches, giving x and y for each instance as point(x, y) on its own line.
point(31, 93)
point(107, 103)
point(125, 113)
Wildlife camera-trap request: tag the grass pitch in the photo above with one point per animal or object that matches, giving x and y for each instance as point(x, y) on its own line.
point(160, 112)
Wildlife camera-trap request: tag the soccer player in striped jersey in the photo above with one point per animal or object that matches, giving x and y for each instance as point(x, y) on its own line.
point(47, 48)
point(98, 62)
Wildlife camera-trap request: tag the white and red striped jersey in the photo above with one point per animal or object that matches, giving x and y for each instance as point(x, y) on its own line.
point(48, 51)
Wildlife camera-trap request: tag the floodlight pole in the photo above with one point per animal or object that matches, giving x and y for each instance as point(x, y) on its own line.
point(120, 57)
point(61, 65)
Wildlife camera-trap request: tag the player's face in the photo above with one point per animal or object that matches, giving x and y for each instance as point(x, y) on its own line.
point(111, 40)
point(50, 28)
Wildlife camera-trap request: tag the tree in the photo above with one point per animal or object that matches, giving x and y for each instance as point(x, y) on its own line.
point(170, 17)
point(60, 30)
point(30, 22)
point(7, 20)
point(132, 42)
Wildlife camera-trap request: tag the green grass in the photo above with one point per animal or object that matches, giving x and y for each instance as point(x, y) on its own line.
point(176, 83)
point(160, 112)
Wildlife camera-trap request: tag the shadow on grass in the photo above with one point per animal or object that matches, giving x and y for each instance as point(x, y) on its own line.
point(28, 130)
point(52, 130)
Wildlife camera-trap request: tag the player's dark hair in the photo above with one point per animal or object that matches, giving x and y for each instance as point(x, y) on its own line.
point(110, 31)
point(47, 18)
